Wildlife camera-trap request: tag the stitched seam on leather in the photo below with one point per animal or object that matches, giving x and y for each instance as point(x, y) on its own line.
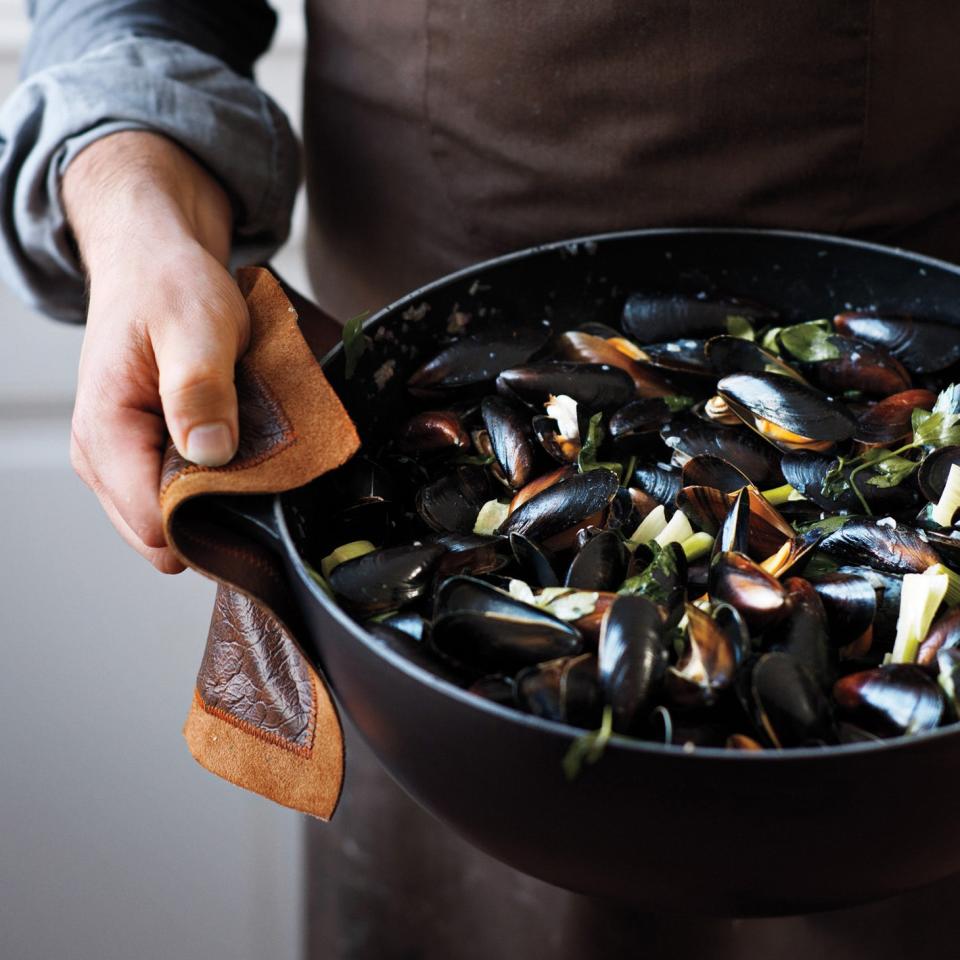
point(238, 552)
point(246, 727)
point(289, 437)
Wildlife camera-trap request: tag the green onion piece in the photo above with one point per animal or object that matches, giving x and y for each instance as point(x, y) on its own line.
point(346, 551)
point(317, 577)
point(697, 546)
point(652, 525)
point(491, 517)
point(953, 582)
point(676, 531)
point(920, 597)
point(780, 495)
point(588, 747)
point(949, 501)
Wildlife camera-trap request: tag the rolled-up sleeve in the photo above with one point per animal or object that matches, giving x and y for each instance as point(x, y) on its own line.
point(96, 68)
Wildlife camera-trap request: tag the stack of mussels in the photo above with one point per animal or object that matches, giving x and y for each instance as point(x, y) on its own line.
point(705, 528)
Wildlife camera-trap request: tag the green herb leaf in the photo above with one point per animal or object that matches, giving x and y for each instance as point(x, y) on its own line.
point(740, 326)
point(918, 418)
point(835, 481)
point(654, 580)
point(677, 402)
point(892, 471)
point(354, 343)
point(810, 342)
point(769, 341)
point(948, 400)
point(587, 458)
point(938, 430)
point(588, 747)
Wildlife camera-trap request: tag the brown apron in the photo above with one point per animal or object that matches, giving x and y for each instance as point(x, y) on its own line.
point(440, 132)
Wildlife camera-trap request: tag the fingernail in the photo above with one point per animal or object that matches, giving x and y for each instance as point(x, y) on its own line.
point(210, 445)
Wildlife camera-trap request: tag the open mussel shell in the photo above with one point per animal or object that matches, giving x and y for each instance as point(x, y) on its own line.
point(433, 431)
point(934, 469)
point(882, 544)
point(600, 564)
point(563, 506)
point(861, 366)
point(632, 658)
point(534, 564)
point(658, 481)
point(509, 433)
point(538, 484)
point(385, 579)
point(850, 604)
point(650, 318)
point(785, 411)
point(595, 386)
point(944, 634)
point(735, 355)
point(582, 347)
point(891, 700)
point(760, 598)
point(479, 627)
point(805, 471)
point(890, 419)
point(713, 645)
point(557, 446)
point(475, 360)
point(566, 690)
point(689, 436)
point(789, 708)
point(470, 553)
point(684, 357)
point(922, 346)
point(451, 503)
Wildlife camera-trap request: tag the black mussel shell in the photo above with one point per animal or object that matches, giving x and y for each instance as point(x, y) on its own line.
point(413, 650)
point(632, 657)
point(632, 427)
point(890, 419)
point(477, 359)
point(601, 564)
point(887, 587)
point(582, 347)
point(385, 579)
point(804, 635)
point(850, 603)
point(658, 481)
point(565, 690)
point(451, 503)
point(922, 346)
point(534, 565)
point(788, 404)
point(650, 317)
point(687, 357)
point(558, 447)
point(410, 622)
point(861, 366)
point(944, 634)
point(882, 544)
point(496, 687)
point(735, 355)
point(891, 700)
point(709, 471)
point(760, 599)
point(595, 386)
point(509, 433)
point(469, 553)
point(934, 469)
point(790, 709)
point(563, 506)
point(689, 436)
point(433, 431)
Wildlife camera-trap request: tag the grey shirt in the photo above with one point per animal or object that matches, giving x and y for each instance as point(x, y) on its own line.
point(179, 68)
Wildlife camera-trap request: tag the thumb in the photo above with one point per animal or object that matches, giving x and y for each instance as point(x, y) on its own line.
point(195, 364)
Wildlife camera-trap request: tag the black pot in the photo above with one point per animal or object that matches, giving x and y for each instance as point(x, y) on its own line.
point(733, 833)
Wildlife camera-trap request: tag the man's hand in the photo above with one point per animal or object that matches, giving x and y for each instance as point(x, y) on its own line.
point(165, 326)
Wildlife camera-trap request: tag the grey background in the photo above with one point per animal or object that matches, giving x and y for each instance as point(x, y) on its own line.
point(114, 844)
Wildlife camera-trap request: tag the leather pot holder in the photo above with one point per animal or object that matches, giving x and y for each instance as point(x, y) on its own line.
point(262, 717)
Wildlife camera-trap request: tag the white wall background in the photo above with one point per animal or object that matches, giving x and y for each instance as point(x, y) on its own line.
point(114, 844)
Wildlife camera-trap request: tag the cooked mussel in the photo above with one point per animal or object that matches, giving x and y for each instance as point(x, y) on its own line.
point(850, 604)
point(650, 318)
point(433, 431)
point(923, 346)
point(890, 419)
point(566, 690)
point(451, 503)
point(509, 433)
point(601, 564)
point(789, 708)
point(582, 347)
point(760, 598)
point(595, 386)
point(882, 544)
point(860, 366)
point(891, 700)
point(944, 634)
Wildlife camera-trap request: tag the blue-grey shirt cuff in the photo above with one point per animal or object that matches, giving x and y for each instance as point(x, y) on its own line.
point(169, 87)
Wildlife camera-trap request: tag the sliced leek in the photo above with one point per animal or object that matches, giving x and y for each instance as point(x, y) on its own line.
point(651, 526)
point(949, 502)
point(491, 517)
point(920, 597)
point(346, 551)
point(676, 531)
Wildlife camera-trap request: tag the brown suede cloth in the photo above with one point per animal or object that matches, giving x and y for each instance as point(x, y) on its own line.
point(261, 716)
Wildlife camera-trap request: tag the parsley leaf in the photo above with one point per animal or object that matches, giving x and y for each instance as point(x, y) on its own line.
point(810, 342)
point(677, 402)
point(740, 327)
point(587, 458)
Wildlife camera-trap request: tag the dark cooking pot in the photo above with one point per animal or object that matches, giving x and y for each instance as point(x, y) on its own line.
point(715, 832)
